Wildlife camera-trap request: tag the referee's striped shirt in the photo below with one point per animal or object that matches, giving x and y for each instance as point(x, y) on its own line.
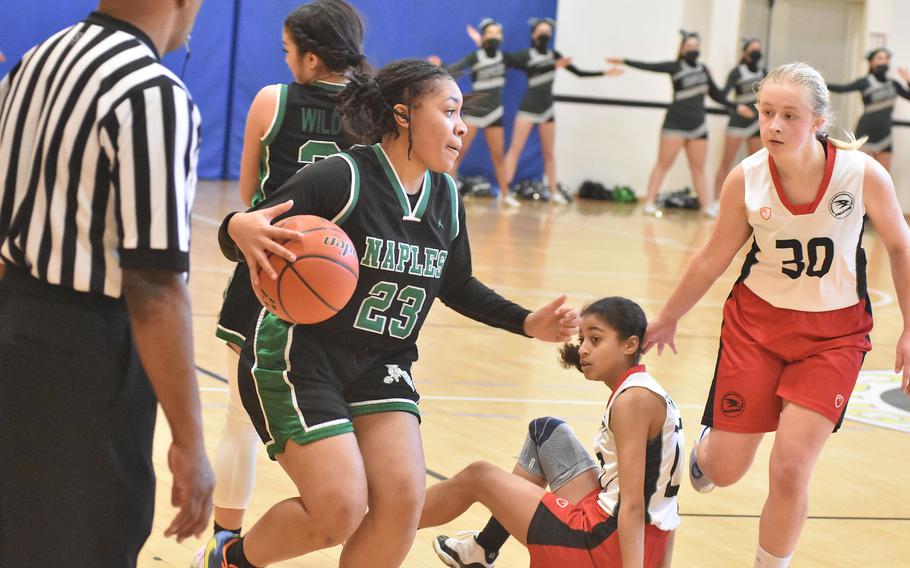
point(98, 150)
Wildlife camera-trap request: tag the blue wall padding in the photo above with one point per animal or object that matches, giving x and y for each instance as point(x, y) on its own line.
point(236, 49)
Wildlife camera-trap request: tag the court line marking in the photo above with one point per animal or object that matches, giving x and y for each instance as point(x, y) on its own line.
point(811, 517)
point(490, 399)
point(531, 400)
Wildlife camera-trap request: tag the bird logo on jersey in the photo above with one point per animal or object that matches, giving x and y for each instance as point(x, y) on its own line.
point(396, 374)
point(841, 205)
point(733, 404)
point(765, 213)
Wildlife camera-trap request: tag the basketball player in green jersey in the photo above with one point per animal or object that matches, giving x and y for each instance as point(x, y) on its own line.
point(310, 388)
point(288, 127)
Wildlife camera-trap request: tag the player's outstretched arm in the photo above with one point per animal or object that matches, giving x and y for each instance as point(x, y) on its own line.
point(554, 322)
point(730, 232)
point(883, 209)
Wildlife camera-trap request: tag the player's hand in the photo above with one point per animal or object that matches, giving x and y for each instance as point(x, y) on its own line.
point(902, 361)
point(615, 60)
point(613, 71)
point(435, 60)
point(254, 235)
point(191, 492)
point(744, 111)
point(553, 322)
point(661, 332)
point(563, 62)
point(474, 35)
point(904, 73)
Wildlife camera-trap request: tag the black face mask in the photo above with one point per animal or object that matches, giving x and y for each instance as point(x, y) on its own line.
point(754, 57)
point(541, 43)
point(691, 57)
point(491, 46)
point(880, 71)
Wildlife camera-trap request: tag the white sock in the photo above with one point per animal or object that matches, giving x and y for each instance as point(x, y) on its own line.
point(765, 560)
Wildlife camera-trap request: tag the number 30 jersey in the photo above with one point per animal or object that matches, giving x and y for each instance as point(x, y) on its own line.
point(807, 257)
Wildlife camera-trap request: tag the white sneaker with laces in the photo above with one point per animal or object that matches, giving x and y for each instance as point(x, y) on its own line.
point(697, 477)
point(463, 552)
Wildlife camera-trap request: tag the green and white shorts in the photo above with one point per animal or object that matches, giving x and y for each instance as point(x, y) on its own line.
point(298, 386)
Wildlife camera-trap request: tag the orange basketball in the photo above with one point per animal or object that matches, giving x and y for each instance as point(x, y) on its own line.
point(320, 282)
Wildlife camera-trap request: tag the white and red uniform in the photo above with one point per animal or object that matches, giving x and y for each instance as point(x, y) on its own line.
point(585, 534)
point(796, 324)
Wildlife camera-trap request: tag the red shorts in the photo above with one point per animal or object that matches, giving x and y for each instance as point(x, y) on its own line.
point(583, 535)
point(768, 355)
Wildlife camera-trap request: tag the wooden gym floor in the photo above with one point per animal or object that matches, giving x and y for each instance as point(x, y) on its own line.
point(481, 386)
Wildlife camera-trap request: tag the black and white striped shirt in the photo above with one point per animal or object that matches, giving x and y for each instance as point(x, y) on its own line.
point(98, 151)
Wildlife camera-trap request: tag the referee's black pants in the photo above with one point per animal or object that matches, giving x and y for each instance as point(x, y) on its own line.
point(77, 415)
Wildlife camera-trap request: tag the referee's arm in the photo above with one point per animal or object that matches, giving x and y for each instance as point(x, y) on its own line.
point(159, 309)
point(152, 140)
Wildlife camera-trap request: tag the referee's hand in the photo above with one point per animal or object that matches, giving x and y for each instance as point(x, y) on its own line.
point(191, 492)
point(255, 236)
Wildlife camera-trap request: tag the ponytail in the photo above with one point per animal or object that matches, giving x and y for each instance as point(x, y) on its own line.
point(367, 115)
point(852, 143)
point(367, 103)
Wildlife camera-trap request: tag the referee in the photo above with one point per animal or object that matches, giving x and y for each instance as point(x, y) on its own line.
point(98, 151)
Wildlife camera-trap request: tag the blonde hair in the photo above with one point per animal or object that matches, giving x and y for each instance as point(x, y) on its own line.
point(811, 80)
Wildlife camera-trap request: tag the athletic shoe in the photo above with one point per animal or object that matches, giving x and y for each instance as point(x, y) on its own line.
point(697, 477)
point(652, 210)
point(559, 198)
point(509, 201)
point(712, 210)
point(212, 556)
point(463, 552)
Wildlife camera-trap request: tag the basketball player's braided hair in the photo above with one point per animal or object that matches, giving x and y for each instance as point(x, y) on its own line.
point(330, 29)
point(367, 104)
point(622, 314)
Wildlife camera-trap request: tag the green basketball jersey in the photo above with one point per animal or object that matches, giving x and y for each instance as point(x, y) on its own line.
point(412, 248)
point(306, 128)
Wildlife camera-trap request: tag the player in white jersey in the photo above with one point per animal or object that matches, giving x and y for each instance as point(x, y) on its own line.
point(622, 511)
point(796, 324)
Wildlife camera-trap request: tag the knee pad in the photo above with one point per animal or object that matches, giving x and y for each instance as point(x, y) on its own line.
point(540, 429)
point(554, 453)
